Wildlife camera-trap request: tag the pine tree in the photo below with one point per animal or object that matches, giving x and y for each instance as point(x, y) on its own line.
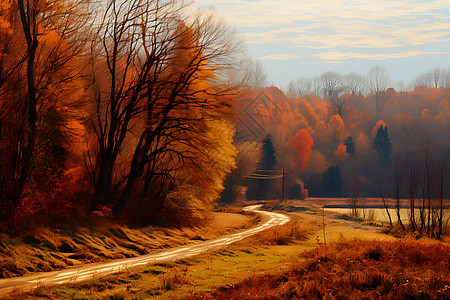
point(383, 146)
point(269, 160)
point(350, 144)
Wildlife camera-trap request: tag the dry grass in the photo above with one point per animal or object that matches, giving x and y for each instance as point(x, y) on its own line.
point(293, 231)
point(355, 270)
point(173, 278)
point(343, 202)
point(192, 276)
point(46, 249)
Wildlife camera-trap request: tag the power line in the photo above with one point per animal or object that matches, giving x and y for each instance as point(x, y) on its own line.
point(264, 177)
point(272, 174)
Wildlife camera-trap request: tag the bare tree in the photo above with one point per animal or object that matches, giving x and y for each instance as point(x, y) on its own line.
point(356, 189)
point(119, 41)
point(332, 86)
point(428, 182)
point(300, 87)
point(356, 84)
point(397, 179)
point(442, 177)
point(254, 75)
point(331, 83)
point(379, 82)
point(412, 172)
point(445, 79)
point(382, 187)
point(430, 79)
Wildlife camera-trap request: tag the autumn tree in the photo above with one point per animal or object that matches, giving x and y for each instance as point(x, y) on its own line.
point(162, 98)
point(38, 72)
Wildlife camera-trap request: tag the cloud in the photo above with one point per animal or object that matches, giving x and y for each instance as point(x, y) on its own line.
point(339, 23)
point(281, 56)
point(266, 13)
point(338, 57)
point(341, 31)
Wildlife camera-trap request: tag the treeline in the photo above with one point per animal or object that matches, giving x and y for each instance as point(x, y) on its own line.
point(120, 108)
point(332, 84)
point(330, 155)
point(395, 151)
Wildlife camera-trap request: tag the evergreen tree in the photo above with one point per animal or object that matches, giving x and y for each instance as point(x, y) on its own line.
point(350, 144)
point(383, 146)
point(332, 182)
point(269, 160)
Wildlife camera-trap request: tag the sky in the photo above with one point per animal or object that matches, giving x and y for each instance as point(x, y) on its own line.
point(304, 38)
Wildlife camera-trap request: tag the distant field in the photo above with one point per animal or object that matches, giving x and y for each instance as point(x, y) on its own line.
point(344, 202)
point(373, 206)
point(379, 214)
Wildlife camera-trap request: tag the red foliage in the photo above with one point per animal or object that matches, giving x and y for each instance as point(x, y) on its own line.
point(301, 147)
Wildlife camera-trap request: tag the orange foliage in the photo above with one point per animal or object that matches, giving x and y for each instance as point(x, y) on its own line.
point(363, 142)
point(378, 125)
point(341, 151)
point(338, 127)
point(426, 114)
point(301, 147)
point(308, 112)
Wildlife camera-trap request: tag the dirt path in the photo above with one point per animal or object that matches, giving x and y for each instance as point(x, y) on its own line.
point(90, 271)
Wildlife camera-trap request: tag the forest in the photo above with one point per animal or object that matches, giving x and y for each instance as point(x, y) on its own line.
point(144, 153)
point(151, 112)
point(113, 111)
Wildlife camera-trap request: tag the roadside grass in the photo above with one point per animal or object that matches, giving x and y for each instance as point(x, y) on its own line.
point(354, 269)
point(272, 251)
point(47, 249)
point(268, 251)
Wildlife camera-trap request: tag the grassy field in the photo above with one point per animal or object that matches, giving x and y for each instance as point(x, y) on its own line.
point(353, 269)
point(265, 253)
point(46, 249)
point(285, 262)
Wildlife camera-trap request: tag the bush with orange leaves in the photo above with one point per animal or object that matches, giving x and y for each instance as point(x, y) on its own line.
point(356, 270)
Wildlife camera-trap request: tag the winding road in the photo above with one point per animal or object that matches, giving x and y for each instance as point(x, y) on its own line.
point(95, 270)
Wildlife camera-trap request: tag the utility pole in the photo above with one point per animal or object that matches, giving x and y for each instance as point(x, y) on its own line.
point(282, 188)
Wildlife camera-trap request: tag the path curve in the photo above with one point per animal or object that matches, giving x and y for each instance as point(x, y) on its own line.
point(95, 270)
